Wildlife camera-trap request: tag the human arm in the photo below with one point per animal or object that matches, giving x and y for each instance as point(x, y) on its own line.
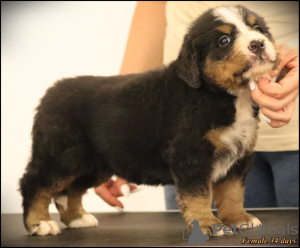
point(144, 51)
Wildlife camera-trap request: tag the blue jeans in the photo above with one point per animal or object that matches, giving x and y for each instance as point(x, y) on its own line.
point(272, 182)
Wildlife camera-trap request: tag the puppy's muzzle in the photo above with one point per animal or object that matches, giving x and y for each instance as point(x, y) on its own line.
point(257, 46)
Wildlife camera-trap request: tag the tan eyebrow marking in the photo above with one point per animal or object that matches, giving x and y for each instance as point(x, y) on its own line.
point(225, 29)
point(251, 19)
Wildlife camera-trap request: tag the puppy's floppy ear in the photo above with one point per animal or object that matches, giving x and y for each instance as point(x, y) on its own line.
point(187, 64)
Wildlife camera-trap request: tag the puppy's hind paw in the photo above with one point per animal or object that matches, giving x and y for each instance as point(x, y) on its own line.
point(244, 221)
point(86, 220)
point(212, 227)
point(44, 228)
point(222, 232)
point(255, 221)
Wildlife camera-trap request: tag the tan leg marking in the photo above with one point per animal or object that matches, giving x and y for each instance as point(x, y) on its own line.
point(70, 206)
point(198, 208)
point(39, 210)
point(74, 208)
point(229, 199)
point(73, 213)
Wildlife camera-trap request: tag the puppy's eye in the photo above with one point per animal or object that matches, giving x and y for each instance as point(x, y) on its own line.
point(259, 29)
point(224, 41)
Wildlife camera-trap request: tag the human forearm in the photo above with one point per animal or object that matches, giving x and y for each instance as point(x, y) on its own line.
point(144, 49)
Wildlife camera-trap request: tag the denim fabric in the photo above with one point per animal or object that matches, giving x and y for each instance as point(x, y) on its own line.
point(170, 197)
point(272, 182)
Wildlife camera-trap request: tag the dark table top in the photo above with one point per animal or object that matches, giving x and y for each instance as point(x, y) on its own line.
point(151, 229)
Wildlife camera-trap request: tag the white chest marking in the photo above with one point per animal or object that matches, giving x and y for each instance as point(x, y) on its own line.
point(238, 137)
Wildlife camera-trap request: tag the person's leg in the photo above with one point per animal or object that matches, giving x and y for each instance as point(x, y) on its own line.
point(170, 197)
point(259, 184)
point(285, 167)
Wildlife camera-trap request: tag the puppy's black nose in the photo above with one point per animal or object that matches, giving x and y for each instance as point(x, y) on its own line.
point(257, 46)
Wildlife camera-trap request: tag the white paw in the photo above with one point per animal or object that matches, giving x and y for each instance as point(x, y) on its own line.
point(86, 220)
point(243, 225)
point(45, 228)
point(255, 221)
point(221, 232)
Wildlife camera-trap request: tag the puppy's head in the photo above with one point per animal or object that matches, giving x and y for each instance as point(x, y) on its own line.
point(228, 46)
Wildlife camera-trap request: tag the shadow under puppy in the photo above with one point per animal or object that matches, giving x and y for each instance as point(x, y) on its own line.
point(192, 124)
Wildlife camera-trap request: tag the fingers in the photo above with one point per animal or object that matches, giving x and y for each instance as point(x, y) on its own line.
point(271, 88)
point(133, 188)
point(112, 189)
point(124, 187)
point(294, 63)
point(277, 101)
point(286, 54)
point(107, 196)
point(268, 101)
point(278, 118)
point(287, 89)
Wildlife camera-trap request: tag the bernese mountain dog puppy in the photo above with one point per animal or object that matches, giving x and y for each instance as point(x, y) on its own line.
point(192, 124)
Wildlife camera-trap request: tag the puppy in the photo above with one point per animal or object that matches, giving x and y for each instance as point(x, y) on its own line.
point(192, 124)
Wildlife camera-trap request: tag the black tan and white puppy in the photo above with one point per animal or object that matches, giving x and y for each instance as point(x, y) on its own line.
point(192, 124)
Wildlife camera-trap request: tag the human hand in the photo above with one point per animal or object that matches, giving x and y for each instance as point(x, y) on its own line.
point(112, 189)
point(277, 100)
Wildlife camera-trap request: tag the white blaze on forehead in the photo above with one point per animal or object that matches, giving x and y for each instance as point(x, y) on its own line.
point(245, 34)
point(233, 16)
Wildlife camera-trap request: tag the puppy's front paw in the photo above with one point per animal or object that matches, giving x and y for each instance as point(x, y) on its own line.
point(44, 228)
point(86, 220)
point(216, 230)
point(251, 221)
point(242, 221)
point(212, 226)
